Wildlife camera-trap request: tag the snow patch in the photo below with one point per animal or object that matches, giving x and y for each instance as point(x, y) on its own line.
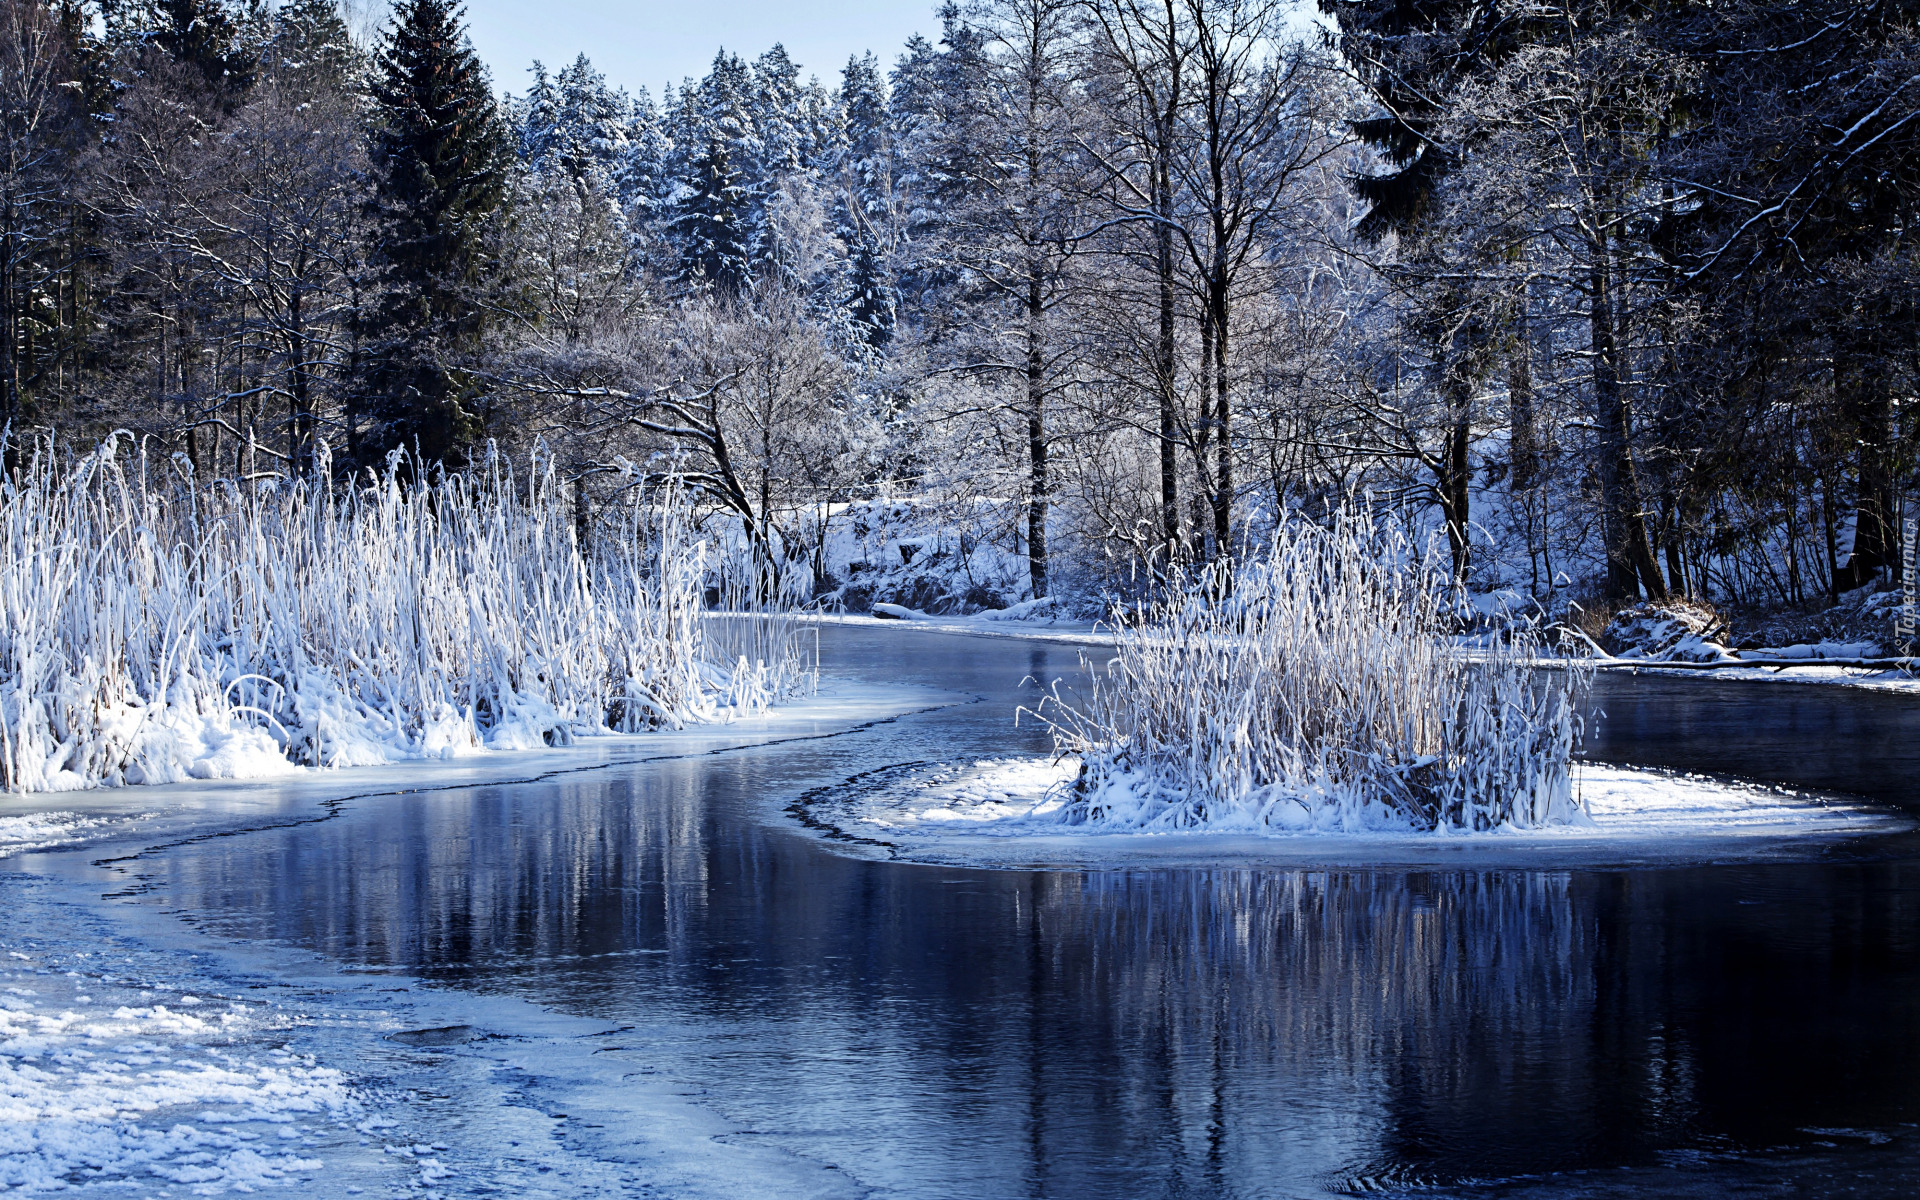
point(1672, 630)
point(977, 811)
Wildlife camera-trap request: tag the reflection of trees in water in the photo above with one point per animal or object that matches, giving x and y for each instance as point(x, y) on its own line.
point(1136, 1033)
point(1382, 997)
point(1498, 1022)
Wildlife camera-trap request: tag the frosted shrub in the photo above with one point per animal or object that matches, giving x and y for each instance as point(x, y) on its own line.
point(157, 629)
point(1319, 687)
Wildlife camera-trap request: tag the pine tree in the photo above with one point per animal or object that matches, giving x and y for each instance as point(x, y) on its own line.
point(536, 116)
point(440, 155)
point(867, 199)
point(640, 175)
point(1415, 57)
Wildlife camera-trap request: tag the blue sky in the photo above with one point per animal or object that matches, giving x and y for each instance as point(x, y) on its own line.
point(659, 41)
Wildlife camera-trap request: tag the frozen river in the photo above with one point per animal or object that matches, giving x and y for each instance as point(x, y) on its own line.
point(920, 1031)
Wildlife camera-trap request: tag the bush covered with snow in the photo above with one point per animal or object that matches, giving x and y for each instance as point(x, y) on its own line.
point(157, 628)
point(1674, 629)
point(1319, 686)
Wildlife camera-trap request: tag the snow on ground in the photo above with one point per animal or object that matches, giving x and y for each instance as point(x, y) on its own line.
point(1870, 679)
point(127, 1069)
point(1007, 812)
point(109, 1075)
point(991, 623)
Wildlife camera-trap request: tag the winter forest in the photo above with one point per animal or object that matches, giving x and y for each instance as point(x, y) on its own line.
point(1128, 598)
point(1617, 299)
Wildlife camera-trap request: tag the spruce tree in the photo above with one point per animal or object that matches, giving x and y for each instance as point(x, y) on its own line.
point(311, 42)
point(870, 299)
point(441, 156)
point(204, 35)
point(710, 223)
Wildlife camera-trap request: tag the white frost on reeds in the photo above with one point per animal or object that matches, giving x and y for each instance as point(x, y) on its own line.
point(1319, 686)
point(158, 629)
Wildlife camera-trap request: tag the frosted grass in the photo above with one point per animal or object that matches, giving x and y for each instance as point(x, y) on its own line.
point(157, 628)
point(1319, 685)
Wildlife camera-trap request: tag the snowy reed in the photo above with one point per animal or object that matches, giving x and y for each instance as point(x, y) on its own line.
point(1319, 686)
point(157, 628)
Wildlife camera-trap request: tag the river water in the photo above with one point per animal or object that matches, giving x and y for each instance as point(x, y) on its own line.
point(944, 1032)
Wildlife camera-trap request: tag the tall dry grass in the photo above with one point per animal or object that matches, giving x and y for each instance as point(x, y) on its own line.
point(1319, 685)
point(158, 628)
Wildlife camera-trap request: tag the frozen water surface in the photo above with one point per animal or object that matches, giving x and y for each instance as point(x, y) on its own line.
point(669, 971)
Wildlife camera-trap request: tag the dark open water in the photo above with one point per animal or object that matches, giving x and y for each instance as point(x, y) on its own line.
point(938, 1032)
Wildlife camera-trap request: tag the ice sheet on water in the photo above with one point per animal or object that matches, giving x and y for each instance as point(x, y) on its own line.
point(111, 1076)
point(139, 1058)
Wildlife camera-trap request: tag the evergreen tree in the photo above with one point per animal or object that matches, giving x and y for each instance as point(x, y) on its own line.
point(777, 117)
point(641, 178)
point(932, 94)
point(574, 123)
point(870, 299)
point(868, 211)
point(710, 223)
point(440, 156)
point(204, 35)
point(536, 116)
point(311, 40)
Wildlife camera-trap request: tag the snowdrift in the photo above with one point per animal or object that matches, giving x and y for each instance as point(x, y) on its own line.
point(158, 629)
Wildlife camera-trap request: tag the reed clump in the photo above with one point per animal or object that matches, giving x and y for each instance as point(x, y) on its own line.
point(158, 628)
point(1320, 685)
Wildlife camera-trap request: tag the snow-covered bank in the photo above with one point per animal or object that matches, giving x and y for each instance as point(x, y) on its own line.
point(1021, 813)
point(1810, 671)
point(982, 624)
point(168, 812)
point(1684, 637)
point(159, 629)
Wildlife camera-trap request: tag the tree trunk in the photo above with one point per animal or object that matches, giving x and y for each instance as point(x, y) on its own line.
point(1523, 438)
point(1202, 439)
point(1222, 419)
point(1165, 362)
point(1630, 562)
point(300, 431)
point(1868, 403)
point(1036, 440)
point(1676, 561)
point(1455, 477)
point(9, 319)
